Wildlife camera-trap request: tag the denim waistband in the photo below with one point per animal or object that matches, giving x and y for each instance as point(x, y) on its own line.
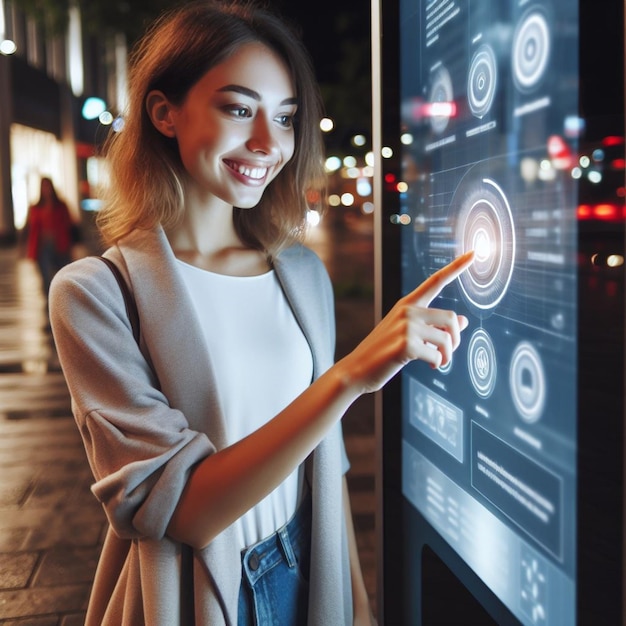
point(262, 556)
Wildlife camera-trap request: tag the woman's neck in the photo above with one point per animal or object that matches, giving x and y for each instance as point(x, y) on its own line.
point(206, 237)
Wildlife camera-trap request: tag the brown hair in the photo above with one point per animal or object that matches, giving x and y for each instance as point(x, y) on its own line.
point(53, 192)
point(145, 167)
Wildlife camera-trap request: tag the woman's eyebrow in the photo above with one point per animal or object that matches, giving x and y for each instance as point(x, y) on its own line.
point(250, 93)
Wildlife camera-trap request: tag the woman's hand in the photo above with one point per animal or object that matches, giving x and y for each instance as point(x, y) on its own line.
point(411, 330)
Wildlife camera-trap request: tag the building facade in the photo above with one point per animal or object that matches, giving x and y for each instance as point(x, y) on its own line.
point(45, 80)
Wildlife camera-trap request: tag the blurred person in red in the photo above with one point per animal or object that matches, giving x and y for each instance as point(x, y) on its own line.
point(49, 229)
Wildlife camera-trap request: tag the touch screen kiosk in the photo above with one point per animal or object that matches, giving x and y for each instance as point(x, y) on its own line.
point(501, 475)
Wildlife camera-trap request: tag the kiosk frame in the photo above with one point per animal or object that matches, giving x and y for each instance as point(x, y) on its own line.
point(423, 579)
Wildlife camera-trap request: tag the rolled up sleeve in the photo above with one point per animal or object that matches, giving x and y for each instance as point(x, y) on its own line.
point(140, 449)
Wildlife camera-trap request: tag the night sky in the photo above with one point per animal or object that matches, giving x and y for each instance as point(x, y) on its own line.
point(337, 35)
point(327, 27)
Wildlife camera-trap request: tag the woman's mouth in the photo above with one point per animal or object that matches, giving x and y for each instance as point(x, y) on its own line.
point(247, 172)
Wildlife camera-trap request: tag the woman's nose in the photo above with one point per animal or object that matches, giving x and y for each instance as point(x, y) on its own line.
point(263, 140)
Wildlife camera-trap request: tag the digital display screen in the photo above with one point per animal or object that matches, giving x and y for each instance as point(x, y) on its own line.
point(490, 126)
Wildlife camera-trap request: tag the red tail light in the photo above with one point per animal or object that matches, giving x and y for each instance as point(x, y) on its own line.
point(612, 140)
point(603, 212)
point(618, 164)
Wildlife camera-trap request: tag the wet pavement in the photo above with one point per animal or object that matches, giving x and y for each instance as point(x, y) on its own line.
point(51, 527)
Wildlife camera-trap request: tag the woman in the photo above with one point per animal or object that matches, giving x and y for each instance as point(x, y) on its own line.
point(49, 233)
point(216, 442)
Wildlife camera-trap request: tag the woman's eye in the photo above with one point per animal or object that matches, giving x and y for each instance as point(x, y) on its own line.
point(285, 120)
point(238, 111)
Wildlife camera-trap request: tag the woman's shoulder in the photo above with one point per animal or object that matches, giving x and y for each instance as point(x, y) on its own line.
point(301, 257)
point(85, 267)
point(86, 274)
point(83, 294)
point(302, 261)
point(301, 267)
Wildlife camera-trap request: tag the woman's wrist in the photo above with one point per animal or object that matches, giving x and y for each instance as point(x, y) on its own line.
point(348, 376)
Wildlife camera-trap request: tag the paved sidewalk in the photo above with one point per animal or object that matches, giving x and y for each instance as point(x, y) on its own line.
point(51, 527)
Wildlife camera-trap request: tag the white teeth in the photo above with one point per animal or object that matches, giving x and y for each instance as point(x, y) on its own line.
point(252, 172)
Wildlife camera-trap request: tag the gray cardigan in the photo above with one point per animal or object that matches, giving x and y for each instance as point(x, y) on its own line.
point(148, 415)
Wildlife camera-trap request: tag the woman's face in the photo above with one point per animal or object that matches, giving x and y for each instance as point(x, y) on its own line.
point(235, 127)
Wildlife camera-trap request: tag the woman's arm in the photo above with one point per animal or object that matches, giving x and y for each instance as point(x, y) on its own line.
point(226, 484)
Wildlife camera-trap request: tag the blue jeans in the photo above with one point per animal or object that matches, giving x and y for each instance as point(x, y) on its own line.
point(275, 581)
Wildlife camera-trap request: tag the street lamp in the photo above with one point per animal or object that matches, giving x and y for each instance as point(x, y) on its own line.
point(7, 47)
point(93, 108)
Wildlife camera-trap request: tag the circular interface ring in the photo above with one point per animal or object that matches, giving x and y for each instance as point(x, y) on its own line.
point(481, 81)
point(531, 50)
point(527, 382)
point(482, 363)
point(485, 225)
point(441, 92)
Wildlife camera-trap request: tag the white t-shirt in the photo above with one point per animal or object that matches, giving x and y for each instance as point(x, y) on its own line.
point(261, 362)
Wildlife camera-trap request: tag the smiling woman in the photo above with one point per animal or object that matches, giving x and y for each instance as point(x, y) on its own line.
point(215, 437)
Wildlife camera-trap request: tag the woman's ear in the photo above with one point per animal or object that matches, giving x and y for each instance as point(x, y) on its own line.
point(160, 111)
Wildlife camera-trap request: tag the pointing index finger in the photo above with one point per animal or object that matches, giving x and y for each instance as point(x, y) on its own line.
point(432, 286)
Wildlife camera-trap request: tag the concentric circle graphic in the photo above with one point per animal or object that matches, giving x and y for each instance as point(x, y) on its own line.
point(441, 92)
point(485, 225)
point(531, 50)
point(482, 80)
point(527, 382)
point(481, 363)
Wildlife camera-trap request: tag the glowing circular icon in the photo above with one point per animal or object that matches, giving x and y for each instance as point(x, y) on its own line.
point(531, 50)
point(485, 225)
point(481, 363)
point(482, 80)
point(441, 92)
point(527, 382)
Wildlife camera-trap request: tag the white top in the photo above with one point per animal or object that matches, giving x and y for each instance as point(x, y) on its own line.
point(261, 362)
